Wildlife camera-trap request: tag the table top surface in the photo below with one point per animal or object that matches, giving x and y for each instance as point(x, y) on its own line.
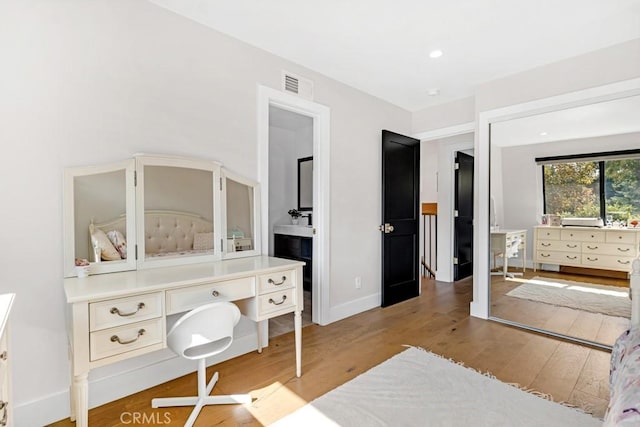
point(123, 283)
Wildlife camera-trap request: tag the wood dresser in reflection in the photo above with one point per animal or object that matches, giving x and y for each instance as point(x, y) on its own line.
point(601, 248)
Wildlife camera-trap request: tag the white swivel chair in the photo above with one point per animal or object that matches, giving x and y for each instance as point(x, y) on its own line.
point(201, 333)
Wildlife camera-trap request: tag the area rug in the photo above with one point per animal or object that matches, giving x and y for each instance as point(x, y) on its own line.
point(419, 388)
point(609, 300)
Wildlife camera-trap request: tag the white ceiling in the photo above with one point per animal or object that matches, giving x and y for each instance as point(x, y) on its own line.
point(604, 118)
point(381, 46)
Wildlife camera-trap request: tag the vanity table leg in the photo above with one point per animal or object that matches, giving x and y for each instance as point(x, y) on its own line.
point(297, 322)
point(259, 326)
point(81, 397)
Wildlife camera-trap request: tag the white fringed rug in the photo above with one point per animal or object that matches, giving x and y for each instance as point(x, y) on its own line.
point(609, 300)
point(419, 388)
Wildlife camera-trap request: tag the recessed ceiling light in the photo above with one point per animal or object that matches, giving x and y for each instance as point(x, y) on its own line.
point(435, 53)
point(433, 92)
point(543, 134)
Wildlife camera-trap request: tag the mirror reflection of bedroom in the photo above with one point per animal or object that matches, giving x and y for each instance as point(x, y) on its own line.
point(565, 219)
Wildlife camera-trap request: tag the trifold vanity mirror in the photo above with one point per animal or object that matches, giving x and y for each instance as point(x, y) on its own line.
point(553, 178)
point(157, 210)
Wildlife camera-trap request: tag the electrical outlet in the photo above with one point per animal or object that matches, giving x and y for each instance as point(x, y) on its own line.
point(358, 282)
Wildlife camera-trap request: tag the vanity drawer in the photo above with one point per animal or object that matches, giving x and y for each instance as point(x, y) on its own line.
point(276, 301)
point(548, 233)
point(113, 341)
point(563, 258)
point(583, 235)
point(621, 237)
point(122, 311)
point(183, 299)
point(624, 250)
point(275, 281)
point(558, 245)
point(611, 262)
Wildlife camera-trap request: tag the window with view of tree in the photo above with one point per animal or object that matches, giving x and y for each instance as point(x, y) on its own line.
point(593, 188)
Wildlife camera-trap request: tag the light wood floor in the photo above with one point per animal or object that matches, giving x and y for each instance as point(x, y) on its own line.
point(593, 327)
point(438, 320)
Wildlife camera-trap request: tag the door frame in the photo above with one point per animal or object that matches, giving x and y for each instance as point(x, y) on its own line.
point(321, 115)
point(446, 172)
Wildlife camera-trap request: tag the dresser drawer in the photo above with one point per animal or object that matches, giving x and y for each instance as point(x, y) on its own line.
point(557, 245)
point(548, 233)
point(564, 258)
point(113, 341)
point(624, 250)
point(4, 364)
point(608, 262)
point(276, 301)
point(583, 235)
point(276, 281)
point(183, 299)
point(621, 237)
point(122, 311)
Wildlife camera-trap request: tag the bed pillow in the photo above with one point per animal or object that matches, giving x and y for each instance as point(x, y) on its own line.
point(100, 240)
point(203, 241)
point(119, 242)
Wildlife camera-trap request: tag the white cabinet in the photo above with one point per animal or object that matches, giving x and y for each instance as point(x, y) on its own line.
point(6, 418)
point(608, 249)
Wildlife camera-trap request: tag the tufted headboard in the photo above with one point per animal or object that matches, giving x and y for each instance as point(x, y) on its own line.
point(165, 231)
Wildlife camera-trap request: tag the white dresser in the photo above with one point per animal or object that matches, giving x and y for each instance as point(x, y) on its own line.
point(6, 301)
point(122, 315)
point(602, 248)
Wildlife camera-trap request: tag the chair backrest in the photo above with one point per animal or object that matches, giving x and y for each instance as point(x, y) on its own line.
point(204, 331)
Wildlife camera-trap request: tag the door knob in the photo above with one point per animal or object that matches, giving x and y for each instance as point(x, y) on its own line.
point(387, 228)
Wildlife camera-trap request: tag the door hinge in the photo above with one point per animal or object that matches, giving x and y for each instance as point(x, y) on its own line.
point(135, 178)
point(136, 253)
point(221, 244)
point(220, 184)
point(455, 214)
point(455, 261)
point(457, 166)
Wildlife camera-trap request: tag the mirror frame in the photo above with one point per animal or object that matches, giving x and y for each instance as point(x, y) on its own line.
point(177, 162)
point(69, 225)
point(301, 162)
point(257, 244)
point(480, 306)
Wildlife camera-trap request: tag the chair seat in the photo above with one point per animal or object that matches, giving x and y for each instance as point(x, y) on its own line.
point(201, 333)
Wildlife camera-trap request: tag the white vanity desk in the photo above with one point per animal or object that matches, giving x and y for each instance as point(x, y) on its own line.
point(117, 316)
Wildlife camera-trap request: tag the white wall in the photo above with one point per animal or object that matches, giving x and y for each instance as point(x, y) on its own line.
point(95, 82)
point(519, 193)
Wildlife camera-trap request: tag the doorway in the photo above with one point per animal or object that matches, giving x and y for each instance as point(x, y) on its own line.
point(463, 217)
point(305, 113)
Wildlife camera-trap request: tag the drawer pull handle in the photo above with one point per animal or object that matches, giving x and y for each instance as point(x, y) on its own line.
point(623, 250)
point(546, 245)
point(114, 310)
point(4, 406)
point(545, 255)
point(3, 356)
point(592, 259)
point(572, 246)
point(592, 248)
point(623, 262)
point(284, 298)
point(571, 257)
point(284, 279)
point(115, 338)
point(619, 237)
point(215, 293)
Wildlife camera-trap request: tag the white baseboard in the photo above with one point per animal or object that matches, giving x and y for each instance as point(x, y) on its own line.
point(55, 407)
point(351, 308)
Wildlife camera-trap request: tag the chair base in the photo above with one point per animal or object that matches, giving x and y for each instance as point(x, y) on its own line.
point(203, 399)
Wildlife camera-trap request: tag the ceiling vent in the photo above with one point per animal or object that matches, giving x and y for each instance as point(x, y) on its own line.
point(297, 85)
